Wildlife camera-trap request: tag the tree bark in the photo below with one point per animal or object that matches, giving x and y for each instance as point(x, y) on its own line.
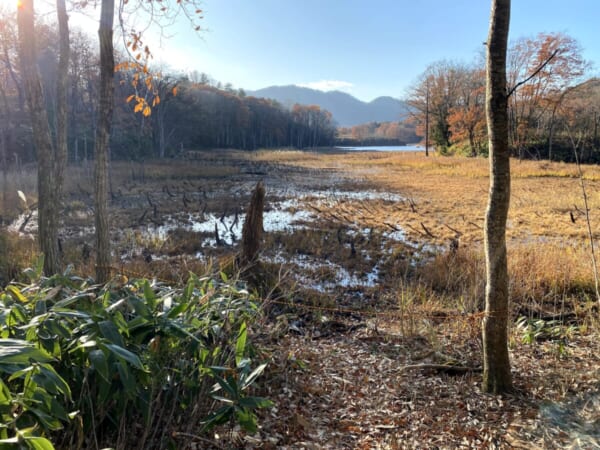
point(427, 121)
point(60, 160)
point(47, 204)
point(253, 227)
point(101, 149)
point(11, 71)
point(5, 144)
point(496, 364)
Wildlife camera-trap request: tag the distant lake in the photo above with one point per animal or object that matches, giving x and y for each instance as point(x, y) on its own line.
point(387, 148)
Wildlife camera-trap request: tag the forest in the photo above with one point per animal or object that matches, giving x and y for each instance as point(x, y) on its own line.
point(193, 111)
point(378, 133)
point(553, 109)
point(185, 266)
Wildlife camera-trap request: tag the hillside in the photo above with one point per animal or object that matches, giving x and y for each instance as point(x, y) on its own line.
point(346, 109)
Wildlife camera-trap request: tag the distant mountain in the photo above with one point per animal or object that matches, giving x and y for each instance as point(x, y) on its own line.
point(346, 109)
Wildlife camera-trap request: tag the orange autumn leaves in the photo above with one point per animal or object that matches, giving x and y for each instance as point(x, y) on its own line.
point(143, 81)
point(541, 70)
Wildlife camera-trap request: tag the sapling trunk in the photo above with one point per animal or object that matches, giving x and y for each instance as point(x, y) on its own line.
point(587, 214)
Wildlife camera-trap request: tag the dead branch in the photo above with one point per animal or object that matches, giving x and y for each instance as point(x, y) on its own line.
point(458, 233)
point(178, 434)
point(445, 368)
point(392, 226)
point(142, 217)
point(413, 205)
point(186, 201)
point(429, 233)
point(169, 193)
point(217, 238)
point(475, 225)
point(25, 222)
point(410, 227)
point(150, 202)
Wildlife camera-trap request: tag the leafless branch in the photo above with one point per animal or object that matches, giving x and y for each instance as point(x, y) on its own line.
point(535, 72)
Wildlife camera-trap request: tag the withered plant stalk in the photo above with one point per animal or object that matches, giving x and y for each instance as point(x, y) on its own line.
point(575, 146)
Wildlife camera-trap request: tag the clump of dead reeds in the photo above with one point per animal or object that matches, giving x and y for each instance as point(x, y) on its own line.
point(17, 252)
point(550, 277)
point(457, 273)
point(546, 278)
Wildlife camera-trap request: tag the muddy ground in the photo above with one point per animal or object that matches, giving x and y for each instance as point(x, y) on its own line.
point(320, 224)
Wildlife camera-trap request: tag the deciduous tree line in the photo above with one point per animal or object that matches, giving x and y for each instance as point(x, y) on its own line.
point(550, 101)
point(378, 133)
point(203, 115)
point(190, 112)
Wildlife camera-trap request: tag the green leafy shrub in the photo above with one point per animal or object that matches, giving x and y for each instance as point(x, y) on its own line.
point(133, 354)
point(534, 330)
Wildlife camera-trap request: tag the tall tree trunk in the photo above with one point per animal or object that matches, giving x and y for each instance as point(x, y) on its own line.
point(551, 135)
point(427, 121)
point(12, 73)
point(595, 140)
point(101, 149)
point(472, 142)
point(60, 159)
point(5, 144)
point(47, 204)
point(3, 161)
point(496, 364)
point(161, 135)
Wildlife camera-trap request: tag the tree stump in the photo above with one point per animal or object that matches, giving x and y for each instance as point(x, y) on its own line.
point(253, 228)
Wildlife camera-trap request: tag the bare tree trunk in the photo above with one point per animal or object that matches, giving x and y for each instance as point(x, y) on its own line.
point(472, 143)
point(595, 140)
point(101, 149)
point(4, 145)
point(427, 121)
point(47, 204)
point(12, 73)
point(4, 169)
point(158, 131)
point(60, 160)
point(496, 364)
point(551, 132)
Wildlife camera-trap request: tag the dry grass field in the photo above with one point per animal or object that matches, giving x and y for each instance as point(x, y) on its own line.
point(444, 199)
point(452, 191)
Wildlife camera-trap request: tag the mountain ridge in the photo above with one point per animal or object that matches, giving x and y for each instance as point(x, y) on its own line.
point(346, 109)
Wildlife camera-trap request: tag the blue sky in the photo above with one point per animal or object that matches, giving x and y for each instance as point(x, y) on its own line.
point(367, 48)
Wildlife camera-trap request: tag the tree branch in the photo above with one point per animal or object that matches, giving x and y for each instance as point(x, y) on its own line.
point(446, 368)
point(538, 70)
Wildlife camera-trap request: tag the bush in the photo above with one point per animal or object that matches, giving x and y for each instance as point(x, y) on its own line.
point(84, 365)
point(16, 253)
